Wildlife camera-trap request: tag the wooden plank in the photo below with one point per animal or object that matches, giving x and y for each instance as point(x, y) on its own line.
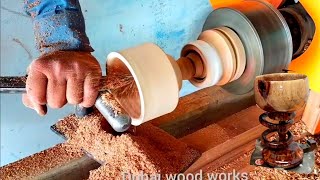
point(225, 148)
point(201, 109)
point(223, 130)
point(73, 170)
point(233, 160)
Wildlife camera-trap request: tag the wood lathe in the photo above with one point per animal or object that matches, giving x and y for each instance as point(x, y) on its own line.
point(216, 126)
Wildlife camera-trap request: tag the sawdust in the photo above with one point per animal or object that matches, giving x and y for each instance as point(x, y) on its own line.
point(43, 31)
point(262, 173)
point(117, 79)
point(149, 150)
point(298, 128)
point(41, 162)
point(67, 126)
point(241, 161)
point(109, 100)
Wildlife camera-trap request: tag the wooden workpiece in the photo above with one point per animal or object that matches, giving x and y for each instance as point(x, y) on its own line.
point(216, 58)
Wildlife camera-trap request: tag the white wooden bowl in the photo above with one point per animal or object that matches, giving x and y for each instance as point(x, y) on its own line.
point(155, 78)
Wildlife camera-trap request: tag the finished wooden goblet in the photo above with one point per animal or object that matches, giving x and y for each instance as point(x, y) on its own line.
point(280, 95)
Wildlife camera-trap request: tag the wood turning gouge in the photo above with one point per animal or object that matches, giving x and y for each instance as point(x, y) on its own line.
point(120, 122)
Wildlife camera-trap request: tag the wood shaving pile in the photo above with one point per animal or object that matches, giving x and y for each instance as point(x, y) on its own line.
point(68, 125)
point(149, 150)
point(41, 162)
point(261, 173)
point(298, 128)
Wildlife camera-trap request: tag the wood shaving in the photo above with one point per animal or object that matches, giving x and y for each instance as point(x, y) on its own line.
point(149, 150)
point(109, 100)
point(298, 128)
point(41, 162)
point(262, 173)
point(67, 126)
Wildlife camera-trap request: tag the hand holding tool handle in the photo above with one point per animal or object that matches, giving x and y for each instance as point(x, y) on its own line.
point(17, 84)
point(120, 122)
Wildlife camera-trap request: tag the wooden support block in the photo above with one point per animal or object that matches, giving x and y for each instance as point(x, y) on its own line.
point(225, 148)
point(223, 130)
point(78, 168)
point(201, 109)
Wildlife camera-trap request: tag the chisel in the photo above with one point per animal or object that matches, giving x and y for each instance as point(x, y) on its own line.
point(120, 122)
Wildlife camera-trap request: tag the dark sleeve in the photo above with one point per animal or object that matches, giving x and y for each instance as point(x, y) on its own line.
point(58, 25)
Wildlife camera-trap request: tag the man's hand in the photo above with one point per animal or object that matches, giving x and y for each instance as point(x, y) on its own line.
point(61, 77)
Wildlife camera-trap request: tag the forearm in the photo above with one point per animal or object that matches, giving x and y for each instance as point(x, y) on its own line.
point(58, 25)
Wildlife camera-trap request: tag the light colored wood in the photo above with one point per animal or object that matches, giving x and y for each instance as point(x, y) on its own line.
point(155, 78)
point(238, 48)
point(311, 115)
point(198, 64)
point(281, 92)
point(212, 63)
point(226, 52)
point(176, 69)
